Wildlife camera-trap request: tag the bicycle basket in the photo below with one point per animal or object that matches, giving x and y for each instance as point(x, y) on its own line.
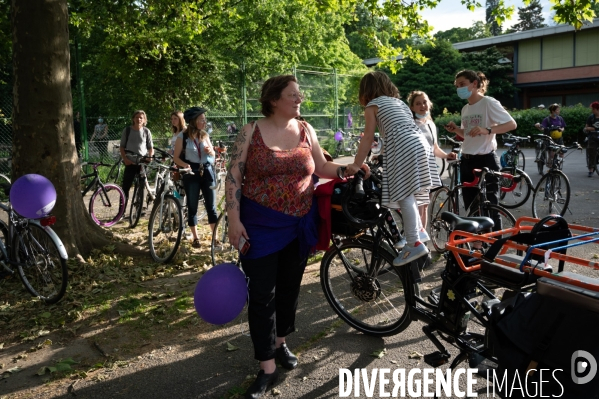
point(363, 211)
point(339, 223)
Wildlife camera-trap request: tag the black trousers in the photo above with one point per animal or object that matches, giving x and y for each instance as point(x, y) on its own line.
point(470, 162)
point(128, 177)
point(274, 287)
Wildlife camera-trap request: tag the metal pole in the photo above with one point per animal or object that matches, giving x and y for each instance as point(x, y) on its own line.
point(244, 108)
point(336, 100)
point(81, 102)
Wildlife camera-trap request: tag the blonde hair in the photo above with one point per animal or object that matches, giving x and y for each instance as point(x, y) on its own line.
point(412, 99)
point(376, 84)
point(471, 76)
point(182, 125)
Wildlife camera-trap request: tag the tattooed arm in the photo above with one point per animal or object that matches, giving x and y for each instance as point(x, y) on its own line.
point(233, 183)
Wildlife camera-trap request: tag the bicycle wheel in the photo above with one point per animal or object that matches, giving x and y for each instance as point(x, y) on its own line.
point(137, 202)
point(552, 195)
point(354, 148)
point(442, 201)
point(4, 237)
point(376, 308)
point(165, 229)
point(115, 175)
point(220, 249)
point(597, 162)
point(495, 212)
point(520, 160)
point(107, 205)
point(4, 180)
point(42, 270)
point(519, 196)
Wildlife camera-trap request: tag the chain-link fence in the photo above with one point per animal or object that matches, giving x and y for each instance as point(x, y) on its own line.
point(331, 104)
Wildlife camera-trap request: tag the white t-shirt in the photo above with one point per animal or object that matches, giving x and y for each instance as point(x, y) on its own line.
point(485, 113)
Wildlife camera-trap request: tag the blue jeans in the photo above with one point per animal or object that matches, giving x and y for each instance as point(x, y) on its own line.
point(193, 184)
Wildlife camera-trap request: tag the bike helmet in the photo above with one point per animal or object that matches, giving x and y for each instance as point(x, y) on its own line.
point(191, 113)
point(555, 134)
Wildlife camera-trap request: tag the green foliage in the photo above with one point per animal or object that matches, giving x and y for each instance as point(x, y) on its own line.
point(573, 12)
point(530, 17)
point(500, 75)
point(478, 30)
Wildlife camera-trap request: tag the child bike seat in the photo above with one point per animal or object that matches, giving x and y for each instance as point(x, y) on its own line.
point(467, 224)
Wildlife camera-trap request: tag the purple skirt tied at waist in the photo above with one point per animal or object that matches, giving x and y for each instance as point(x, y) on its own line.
point(270, 230)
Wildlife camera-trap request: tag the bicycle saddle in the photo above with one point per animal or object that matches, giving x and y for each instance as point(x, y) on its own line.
point(467, 224)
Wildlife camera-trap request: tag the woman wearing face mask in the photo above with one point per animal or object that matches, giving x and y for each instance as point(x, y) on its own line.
point(421, 105)
point(482, 118)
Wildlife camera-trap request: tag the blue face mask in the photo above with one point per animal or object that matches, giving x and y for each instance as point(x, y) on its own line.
point(421, 116)
point(464, 93)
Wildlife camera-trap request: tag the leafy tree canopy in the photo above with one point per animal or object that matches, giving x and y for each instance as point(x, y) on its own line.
point(530, 17)
point(478, 30)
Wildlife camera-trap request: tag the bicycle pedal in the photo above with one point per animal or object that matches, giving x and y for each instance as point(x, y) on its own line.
point(436, 359)
point(433, 297)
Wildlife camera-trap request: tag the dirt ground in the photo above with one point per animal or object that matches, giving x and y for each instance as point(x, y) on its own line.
point(117, 311)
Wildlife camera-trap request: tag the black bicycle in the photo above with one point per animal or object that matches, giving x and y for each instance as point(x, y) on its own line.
point(552, 193)
point(512, 162)
point(107, 202)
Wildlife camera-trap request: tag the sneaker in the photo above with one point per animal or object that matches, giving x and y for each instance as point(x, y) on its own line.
point(410, 253)
point(590, 174)
point(422, 236)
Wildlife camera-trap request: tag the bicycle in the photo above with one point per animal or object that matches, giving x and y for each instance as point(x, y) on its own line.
point(36, 251)
point(220, 164)
point(448, 200)
point(141, 183)
point(543, 154)
point(4, 180)
point(512, 162)
point(115, 174)
point(166, 223)
point(552, 193)
point(107, 202)
point(372, 296)
point(346, 143)
point(220, 248)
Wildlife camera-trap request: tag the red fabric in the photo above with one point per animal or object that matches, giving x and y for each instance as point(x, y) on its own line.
point(323, 193)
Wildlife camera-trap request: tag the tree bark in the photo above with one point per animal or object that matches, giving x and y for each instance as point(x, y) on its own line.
point(43, 137)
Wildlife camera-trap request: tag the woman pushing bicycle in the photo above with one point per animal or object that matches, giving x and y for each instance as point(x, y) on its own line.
point(482, 118)
point(554, 124)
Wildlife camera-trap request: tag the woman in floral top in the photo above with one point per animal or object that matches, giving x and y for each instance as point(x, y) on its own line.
point(273, 210)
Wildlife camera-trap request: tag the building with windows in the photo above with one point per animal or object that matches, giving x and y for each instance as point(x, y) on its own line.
point(555, 64)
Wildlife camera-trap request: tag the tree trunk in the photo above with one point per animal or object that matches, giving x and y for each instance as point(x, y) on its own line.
point(43, 137)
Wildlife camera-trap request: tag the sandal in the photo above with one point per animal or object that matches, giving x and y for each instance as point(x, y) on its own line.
point(196, 243)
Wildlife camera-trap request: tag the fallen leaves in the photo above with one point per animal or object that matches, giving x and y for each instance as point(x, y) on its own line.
point(380, 353)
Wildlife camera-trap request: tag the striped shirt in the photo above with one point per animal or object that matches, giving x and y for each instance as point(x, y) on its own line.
point(409, 161)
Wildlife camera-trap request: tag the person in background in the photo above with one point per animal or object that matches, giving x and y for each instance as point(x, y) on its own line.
point(100, 137)
point(137, 139)
point(482, 119)
point(177, 126)
point(421, 106)
point(555, 124)
point(194, 149)
point(269, 201)
point(592, 131)
point(410, 167)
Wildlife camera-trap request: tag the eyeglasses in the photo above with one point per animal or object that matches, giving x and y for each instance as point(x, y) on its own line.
point(295, 96)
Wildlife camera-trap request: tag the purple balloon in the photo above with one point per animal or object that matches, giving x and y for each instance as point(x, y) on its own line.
point(338, 136)
point(221, 294)
point(32, 196)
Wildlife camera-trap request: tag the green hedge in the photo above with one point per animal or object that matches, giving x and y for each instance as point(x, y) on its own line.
point(574, 116)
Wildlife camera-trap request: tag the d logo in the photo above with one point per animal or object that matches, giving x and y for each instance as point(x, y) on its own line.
point(580, 366)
